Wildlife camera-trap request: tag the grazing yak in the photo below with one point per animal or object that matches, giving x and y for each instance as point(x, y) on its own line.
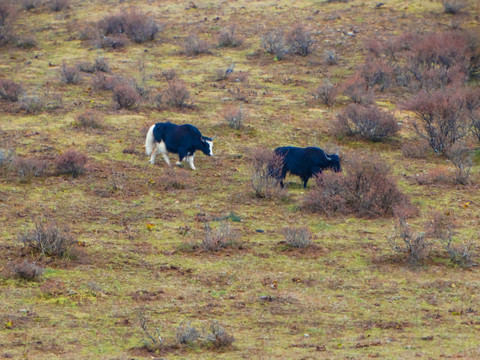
point(305, 162)
point(183, 140)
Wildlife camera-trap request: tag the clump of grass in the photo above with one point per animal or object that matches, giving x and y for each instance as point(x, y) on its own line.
point(33, 103)
point(10, 90)
point(69, 74)
point(27, 270)
point(218, 337)
point(196, 46)
point(228, 38)
point(298, 237)
point(48, 239)
point(71, 162)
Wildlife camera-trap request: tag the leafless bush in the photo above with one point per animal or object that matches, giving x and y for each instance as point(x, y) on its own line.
point(215, 240)
point(169, 74)
point(58, 5)
point(439, 175)
point(374, 72)
point(125, 96)
point(274, 43)
point(10, 90)
point(186, 334)
point(6, 159)
point(356, 89)
point(461, 158)
point(442, 228)
point(440, 117)
point(219, 337)
point(266, 169)
point(152, 341)
point(27, 168)
point(26, 42)
point(174, 178)
point(367, 122)
point(454, 6)
point(69, 74)
point(114, 41)
point(298, 237)
point(7, 13)
point(415, 149)
point(239, 94)
point(299, 41)
point(30, 4)
point(195, 46)
point(368, 190)
point(227, 38)
point(327, 93)
point(102, 81)
point(136, 25)
point(176, 94)
point(99, 64)
point(71, 162)
point(415, 246)
point(49, 240)
point(27, 270)
point(234, 116)
point(88, 119)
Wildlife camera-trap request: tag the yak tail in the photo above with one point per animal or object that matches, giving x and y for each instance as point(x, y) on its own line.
point(150, 141)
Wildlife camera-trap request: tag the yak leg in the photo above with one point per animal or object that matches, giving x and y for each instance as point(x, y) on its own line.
point(190, 161)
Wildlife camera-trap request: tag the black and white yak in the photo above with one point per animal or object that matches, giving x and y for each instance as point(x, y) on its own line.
point(305, 162)
point(183, 140)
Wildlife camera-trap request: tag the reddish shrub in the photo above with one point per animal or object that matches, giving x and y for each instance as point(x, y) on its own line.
point(227, 38)
point(10, 90)
point(461, 158)
point(376, 72)
point(169, 74)
point(102, 81)
point(367, 122)
point(300, 41)
point(29, 271)
point(439, 175)
point(71, 162)
point(88, 119)
point(368, 190)
point(114, 41)
point(174, 178)
point(415, 149)
point(176, 94)
point(415, 246)
point(125, 96)
point(195, 46)
point(298, 237)
point(356, 89)
point(440, 117)
point(274, 43)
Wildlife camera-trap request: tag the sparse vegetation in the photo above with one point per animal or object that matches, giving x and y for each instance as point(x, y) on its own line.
point(27, 168)
point(298, 237)
point(266, 166)
point(69, 74)
point(10, 90)
point(234, 116)
point(327, 93)
point(125, 96)
point(454, 6)
point(220, 238)
point(30, 271)
point(228, 38)
point(196, 46)
point(299, 41)
point(274, 43)
point(176, 94)
point(88, 119)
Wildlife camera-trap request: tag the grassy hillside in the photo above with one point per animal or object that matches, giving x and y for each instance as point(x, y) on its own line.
point(137, 228)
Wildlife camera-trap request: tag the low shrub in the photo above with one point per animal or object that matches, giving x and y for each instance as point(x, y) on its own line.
point(176, 94)
point(222, 237)
point(71, 162)
point(125, 96)
point(49, 240)
point(266, 165)
point(298, 237)
point(453, 7)
point(114, 41)
point(136, 25)
point(27, 168)
point(357, 91)
point(6, 159)
point(100, 64)
point(27, 270)
point(25, 42)
point(367, 190)
point(88, 119)
point(415, 149)
point(10, 90)
point(234, 116)
point(416, 247)
point(102, 81)
point(7, 13)
point(219, 337)
point(58, 5)
point(441, 117)
point(274, 43)
point(33, 103)
point(186, 334)
point(327, 93)
point(228, 38)
point(367, 122)
point(299, 41)
point(330, 57)
point(174, 178)
point(375, 72)
point(169, 74)
point(30, 4)
point(439, 175)
point(461, 158)
point(195, 46)
point(69, 74)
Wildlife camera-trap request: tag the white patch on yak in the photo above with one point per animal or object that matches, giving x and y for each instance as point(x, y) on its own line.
point(210, 144)
point(190, 161)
